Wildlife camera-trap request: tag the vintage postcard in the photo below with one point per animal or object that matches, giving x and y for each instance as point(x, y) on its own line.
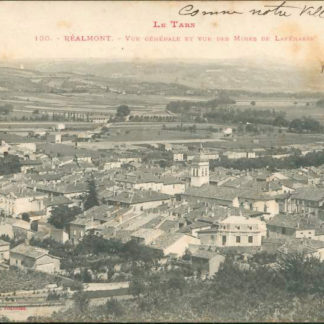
point(162, 161)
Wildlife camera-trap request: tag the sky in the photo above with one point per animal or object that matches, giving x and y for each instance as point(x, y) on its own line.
point(22, 22)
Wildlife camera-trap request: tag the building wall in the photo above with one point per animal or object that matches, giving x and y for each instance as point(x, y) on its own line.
point(306, 233)
point(21, 233)
point(232, 234)
point(179, 247)
point(130, 159)
point(214, 264)
point(226, 238)
point(4, 252)
point(21, 261)
point(178, 157)
point(15, 206)
point(155, 186)
point(264, 206)
point(240, 155)
point(51, 265)
point(112, 165)
point(199, 174)
point(212, 201)
point(173, 189)
point(6, 229)
point(302, 205)
point(148, 205)
point(59, 235)
point(194, 232)
point(72, 195)
point(76, 232)
point(319, 237)
point(280, 231)
point(319, 254)
point(27, 146)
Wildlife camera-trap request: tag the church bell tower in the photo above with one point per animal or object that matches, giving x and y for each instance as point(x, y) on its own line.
point(199, 170)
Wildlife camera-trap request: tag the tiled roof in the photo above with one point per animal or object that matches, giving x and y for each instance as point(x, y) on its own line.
point(4, 243)
point(312, 194)
point(19, 191)
point(79, 187)
point(138, 196)
point(169, 225)
point(142, 177)
point(30, 251)
point(148, 233)
point(241, 220)
point(166, 240)
point(47, 177)
point(306, 246)
point(13, 138)
point(295, 221)
point(213, 192)
point(56, 201)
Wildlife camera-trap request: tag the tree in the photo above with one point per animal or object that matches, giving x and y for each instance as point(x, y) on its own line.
point(81, 301)
point(92, 199)
point(5, 109)
point(252, 103)
point(4, 319)
point(137, 286)
point(280, 121)
point(320, 103)
point(86, 276)
point(25, 217)
point(61, 216)
point(193, 128)
point(53, 296)
point(10, 164)
point(114, 307)
point(123, 111)
point(177, 281)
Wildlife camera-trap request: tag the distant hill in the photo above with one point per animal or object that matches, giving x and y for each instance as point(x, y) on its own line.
point(266, 76)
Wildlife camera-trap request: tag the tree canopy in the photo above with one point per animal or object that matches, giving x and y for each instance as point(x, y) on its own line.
point(123, 111)
point(61, 216)
point(92, 198)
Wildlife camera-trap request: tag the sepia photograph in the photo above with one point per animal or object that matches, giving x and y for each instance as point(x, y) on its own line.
point(161, 161)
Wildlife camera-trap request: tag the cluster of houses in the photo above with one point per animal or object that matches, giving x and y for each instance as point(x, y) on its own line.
point(183, 209)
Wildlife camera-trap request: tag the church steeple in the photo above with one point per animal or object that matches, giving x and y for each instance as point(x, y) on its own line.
point(199, 170)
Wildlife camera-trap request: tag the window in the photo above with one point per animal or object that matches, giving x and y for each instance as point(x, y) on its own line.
point(238, 239)
point(250, 239)
point(223, 239)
